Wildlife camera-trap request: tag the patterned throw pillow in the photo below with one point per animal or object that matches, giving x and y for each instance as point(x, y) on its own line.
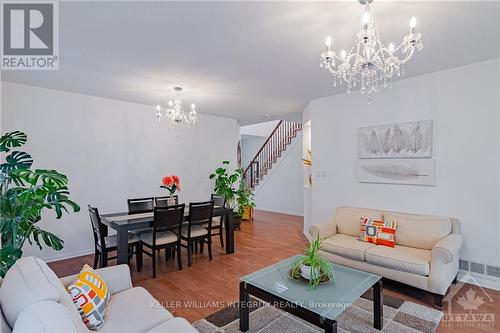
point(378, 232)
point(90, 294)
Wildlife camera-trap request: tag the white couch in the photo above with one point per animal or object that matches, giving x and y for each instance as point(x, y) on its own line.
point(425, 255)
point(33, 299)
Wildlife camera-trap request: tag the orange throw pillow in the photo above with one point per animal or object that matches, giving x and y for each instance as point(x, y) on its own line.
point(378, 232)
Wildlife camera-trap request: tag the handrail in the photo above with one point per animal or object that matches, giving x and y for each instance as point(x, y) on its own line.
point(263, 145)
point(270, 150)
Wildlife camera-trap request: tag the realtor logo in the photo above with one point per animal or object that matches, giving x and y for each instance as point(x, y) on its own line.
point(30, 35)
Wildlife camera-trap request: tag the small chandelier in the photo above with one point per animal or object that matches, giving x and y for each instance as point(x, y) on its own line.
point(369, 63)
point(174, 114)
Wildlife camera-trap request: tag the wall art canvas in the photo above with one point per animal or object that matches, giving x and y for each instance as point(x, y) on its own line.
point(408, 171)
point(402, 140)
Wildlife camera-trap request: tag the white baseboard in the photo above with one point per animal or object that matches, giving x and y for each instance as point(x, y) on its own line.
point(480, 279)
point(67, 255)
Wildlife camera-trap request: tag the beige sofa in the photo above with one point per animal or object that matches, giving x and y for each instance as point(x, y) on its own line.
point(33, 299)
point(425, 256)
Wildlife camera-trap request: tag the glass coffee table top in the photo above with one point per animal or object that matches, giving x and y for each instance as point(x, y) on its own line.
point(327, 300)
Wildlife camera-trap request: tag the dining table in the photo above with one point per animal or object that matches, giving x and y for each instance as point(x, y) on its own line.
point(124, 222)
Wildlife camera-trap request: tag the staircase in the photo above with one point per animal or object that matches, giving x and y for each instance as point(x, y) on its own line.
point(280, 138)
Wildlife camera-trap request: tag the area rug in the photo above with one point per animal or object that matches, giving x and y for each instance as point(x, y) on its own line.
point(399, 317)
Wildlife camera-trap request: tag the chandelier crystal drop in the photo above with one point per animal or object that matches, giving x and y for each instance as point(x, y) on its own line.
point(174, 116)
point(369, 63)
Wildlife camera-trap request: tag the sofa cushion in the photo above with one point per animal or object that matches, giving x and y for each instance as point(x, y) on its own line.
point(90, 295)
point(378, 232)
point(400, 258)
point(4, 326)
point(48, 316)
point(346, 246)
point(30, 280)
point(133, 310)
point(177, 325)
point(347, 219)
point(419, 231)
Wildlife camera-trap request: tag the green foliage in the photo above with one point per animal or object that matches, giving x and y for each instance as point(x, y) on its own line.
point(320, 268)
point(25, 194)
point(244, 197)
point(225, 183)
point(237, 198)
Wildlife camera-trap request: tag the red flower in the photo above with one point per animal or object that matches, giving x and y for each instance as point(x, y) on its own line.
point(167, 181)
point(177, 180)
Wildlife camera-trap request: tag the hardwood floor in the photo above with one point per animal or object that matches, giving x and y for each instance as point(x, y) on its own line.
point(208, 286)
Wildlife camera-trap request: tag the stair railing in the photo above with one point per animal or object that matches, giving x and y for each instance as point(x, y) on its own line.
point(268, 154)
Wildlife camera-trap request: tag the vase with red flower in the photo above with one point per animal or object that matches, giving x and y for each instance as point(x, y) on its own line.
point(172, 184)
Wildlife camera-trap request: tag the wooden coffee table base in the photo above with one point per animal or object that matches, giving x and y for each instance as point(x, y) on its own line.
point(330, 326)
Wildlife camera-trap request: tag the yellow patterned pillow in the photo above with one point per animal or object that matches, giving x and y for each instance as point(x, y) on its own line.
point(90, 294)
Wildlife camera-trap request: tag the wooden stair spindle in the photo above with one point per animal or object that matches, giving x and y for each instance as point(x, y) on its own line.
point(271, 151)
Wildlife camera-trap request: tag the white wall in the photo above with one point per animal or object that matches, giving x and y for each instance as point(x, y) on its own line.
point(263, 129)
point(110, 151)
point(282, 188)
point(250, 145)
point(464, 104)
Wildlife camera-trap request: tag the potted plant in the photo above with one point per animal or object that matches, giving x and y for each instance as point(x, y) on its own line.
point(171, 184)
point(225, 186)
point(245, 201)
point(25, 194)
point(312, 267)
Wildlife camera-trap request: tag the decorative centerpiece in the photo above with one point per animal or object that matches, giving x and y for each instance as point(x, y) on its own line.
point(311, 268)
point(171, 184)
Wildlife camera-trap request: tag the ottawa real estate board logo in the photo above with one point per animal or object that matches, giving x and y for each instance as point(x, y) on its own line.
point(30, 35)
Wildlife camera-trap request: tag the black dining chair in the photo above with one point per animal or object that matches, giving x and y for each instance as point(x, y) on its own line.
point(163, 201)
point(140, 206)
point(199, 227)
point(103, 244)
point(217, 222)
point(167, 229)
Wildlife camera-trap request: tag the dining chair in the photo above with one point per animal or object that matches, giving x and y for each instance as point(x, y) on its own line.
point(163, 201)
point(217, 222)
point(167, 229)
point(103, 244)
point(199, 227)
point(140, 206)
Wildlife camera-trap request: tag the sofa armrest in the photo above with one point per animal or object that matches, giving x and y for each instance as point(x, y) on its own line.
point(324, 230)
point(447, 249)
point(117, 278)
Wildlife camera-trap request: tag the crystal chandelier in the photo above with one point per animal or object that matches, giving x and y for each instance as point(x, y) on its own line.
point(174, 114)
point(369, 63)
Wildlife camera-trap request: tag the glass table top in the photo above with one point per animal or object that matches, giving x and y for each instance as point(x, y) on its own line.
point(327, 300)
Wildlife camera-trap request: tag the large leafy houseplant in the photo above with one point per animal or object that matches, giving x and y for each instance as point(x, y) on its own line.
point(225, 184)
point(25, 194)
point(312, 267)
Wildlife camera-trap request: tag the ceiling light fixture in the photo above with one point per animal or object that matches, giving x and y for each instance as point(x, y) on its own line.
point(174, 114)
point(369, 62)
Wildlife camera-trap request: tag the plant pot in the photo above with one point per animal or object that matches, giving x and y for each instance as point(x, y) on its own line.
point(236, 221)
point(305, 271)
point(247, 213)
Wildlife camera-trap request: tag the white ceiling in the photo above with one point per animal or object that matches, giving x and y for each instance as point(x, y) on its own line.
point(245, 59)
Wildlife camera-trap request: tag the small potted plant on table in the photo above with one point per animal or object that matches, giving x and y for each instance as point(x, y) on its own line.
point(312, 267)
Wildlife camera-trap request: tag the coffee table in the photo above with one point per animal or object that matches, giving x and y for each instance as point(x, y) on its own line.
point(320, 306)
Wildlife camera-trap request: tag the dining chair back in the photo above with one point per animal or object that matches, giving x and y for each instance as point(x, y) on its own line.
point(163, 201)
point(169, 218)
point(219, 200)
point(140, 205)
point(200, 213)
point(98, 229)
